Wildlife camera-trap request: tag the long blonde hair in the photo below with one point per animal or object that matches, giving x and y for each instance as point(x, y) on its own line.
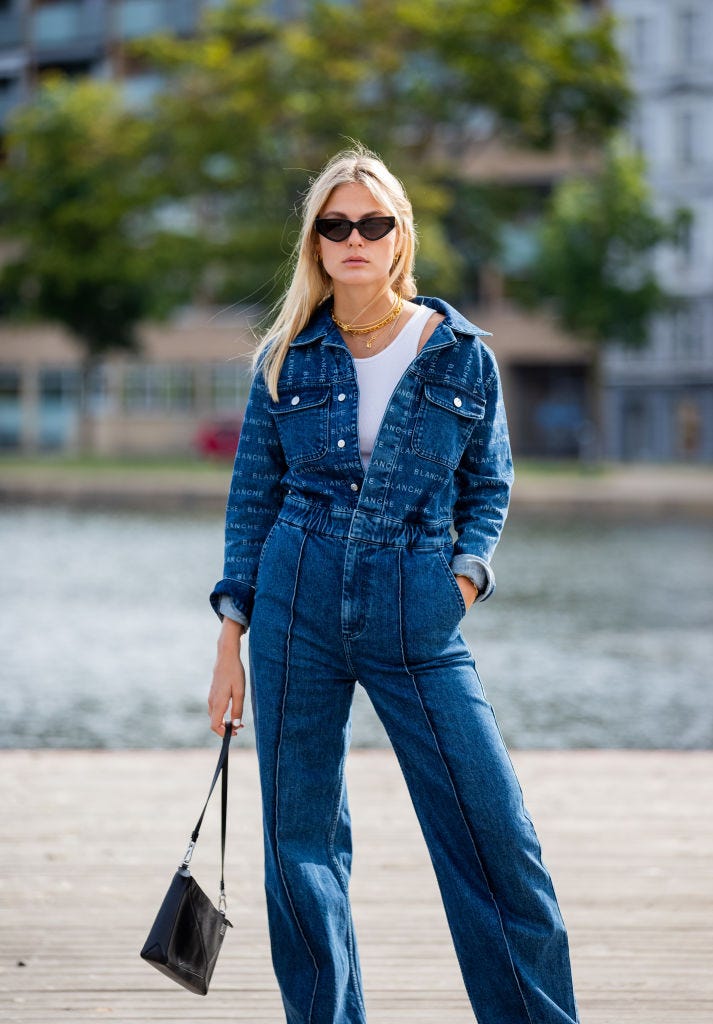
point(310, 284)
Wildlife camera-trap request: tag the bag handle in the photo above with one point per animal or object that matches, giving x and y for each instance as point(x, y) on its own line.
point(221, 769)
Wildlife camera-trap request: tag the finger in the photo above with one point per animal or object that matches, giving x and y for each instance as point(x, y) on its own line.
point(216, 719)
point(236, 712)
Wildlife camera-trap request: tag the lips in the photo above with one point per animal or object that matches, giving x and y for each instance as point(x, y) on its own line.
point(354, 259)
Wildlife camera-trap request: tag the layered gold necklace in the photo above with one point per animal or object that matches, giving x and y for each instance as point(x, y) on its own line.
point(359, 330)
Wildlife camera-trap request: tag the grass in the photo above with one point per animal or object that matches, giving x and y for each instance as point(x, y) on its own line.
point(559, 467)
point(100, 463)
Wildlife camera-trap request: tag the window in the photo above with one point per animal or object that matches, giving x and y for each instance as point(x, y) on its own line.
point(10, 408)
point(688, 333)
point(640, 40)
point(685, 138)
point(59, 387)
point(685, 243)
point(159, 389)
point(689, 30)
point(637, 131)
point(229, 386)
point(59, 406)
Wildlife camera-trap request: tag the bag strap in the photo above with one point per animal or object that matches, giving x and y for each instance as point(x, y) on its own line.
point(221, 769)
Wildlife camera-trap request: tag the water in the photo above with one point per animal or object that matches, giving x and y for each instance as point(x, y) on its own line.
point(599, 636)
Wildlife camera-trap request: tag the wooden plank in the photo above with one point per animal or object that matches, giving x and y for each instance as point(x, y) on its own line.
point(91, 839)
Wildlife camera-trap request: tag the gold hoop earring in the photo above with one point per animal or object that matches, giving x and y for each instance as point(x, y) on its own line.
point(397, 257)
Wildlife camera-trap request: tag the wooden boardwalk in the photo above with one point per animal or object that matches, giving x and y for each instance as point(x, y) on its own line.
point(90, 840)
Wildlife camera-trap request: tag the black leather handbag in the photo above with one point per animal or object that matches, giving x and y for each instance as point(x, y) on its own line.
point(186, 937)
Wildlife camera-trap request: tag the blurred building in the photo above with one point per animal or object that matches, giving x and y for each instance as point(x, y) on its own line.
point(155, 403)
point(195, 370)
point(658, 402)
point(84, 37)
point(192, 371)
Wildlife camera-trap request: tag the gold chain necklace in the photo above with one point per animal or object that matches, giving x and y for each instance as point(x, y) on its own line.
point(386, 340)
point(373, 328)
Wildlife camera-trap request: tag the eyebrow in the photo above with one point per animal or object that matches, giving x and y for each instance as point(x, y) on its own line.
point(338, 213)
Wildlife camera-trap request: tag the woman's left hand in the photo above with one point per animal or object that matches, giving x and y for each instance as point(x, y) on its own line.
point(468, 589)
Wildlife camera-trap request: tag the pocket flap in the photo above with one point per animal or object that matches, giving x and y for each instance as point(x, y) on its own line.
point(301, 397)
point(449, 396)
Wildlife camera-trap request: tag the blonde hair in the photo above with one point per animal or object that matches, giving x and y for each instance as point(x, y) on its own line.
point(310, 284)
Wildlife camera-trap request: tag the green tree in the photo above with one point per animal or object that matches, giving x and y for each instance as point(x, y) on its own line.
point(594, 259)
point(79, 198)
point(258, 102)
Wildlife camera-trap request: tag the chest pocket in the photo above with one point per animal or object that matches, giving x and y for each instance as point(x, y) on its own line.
point(302, 417)
point(445, 420)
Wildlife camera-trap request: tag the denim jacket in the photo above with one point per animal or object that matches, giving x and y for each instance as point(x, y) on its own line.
point(441, 459)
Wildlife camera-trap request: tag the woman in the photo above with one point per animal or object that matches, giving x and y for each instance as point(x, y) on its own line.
point(375, 423)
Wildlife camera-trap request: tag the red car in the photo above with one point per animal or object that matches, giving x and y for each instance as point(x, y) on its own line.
point(218, 439)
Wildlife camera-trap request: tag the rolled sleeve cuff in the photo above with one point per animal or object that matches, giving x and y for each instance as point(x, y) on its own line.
point(478, 572)
point(226, 607)
point(234, 599)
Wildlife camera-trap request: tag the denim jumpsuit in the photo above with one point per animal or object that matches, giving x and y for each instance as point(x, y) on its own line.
point(347, 576)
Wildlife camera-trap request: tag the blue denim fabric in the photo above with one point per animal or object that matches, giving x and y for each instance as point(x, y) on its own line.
point(347, 577)
point(335, 605)
point(442, 456)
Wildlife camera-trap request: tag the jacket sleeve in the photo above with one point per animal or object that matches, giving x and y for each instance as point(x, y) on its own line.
point(483, 482)
point(253, 504)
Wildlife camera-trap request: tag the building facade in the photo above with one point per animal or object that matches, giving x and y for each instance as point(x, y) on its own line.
point(192, 371)
point(658, 402)
point(84, 37)
point(195, 371)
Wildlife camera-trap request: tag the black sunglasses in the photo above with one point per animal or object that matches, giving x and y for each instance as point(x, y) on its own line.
point(338, 229)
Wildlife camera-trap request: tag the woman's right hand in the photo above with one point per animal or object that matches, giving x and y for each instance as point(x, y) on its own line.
point(228, 685)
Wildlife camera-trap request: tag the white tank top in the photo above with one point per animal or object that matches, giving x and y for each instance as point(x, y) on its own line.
point(378, 376)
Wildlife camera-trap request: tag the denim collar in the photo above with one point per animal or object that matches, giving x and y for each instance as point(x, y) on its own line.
point(322, 326)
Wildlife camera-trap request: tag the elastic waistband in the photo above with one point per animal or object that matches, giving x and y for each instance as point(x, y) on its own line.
point(369, 527)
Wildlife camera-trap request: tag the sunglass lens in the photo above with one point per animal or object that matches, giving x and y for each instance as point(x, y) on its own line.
point(337, 229)
point(373, 228)
point(334, 229)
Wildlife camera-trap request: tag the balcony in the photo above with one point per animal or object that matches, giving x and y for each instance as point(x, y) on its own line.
point(143, 17)
point(69, 29)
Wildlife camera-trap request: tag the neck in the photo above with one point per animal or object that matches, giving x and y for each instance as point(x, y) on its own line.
point(355, 304)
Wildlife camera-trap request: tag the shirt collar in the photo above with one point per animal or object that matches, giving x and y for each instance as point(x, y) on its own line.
point(321, 324)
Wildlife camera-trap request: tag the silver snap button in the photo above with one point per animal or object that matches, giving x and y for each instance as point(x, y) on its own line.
point(341, 396)
point(341, 442)
point(458, 402)
point(355, 487)
point(295, 400)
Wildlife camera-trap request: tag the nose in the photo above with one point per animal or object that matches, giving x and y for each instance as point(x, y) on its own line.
point(352, 238)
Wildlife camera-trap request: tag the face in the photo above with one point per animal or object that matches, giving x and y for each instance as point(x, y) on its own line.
point(356, 260)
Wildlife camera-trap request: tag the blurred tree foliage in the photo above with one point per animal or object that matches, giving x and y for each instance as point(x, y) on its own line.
point(119, 215)
point(78, 196)
point(595, 248)
point(258, 102)
point(78, 192)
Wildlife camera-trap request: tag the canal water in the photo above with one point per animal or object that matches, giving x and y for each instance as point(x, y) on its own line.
point(600, 634)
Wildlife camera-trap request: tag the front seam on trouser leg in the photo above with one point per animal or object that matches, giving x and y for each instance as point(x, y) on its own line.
point(277, 782)
point(345, 887)
point(451, 781)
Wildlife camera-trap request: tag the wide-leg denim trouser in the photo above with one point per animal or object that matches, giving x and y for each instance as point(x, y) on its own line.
point(344, 597)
